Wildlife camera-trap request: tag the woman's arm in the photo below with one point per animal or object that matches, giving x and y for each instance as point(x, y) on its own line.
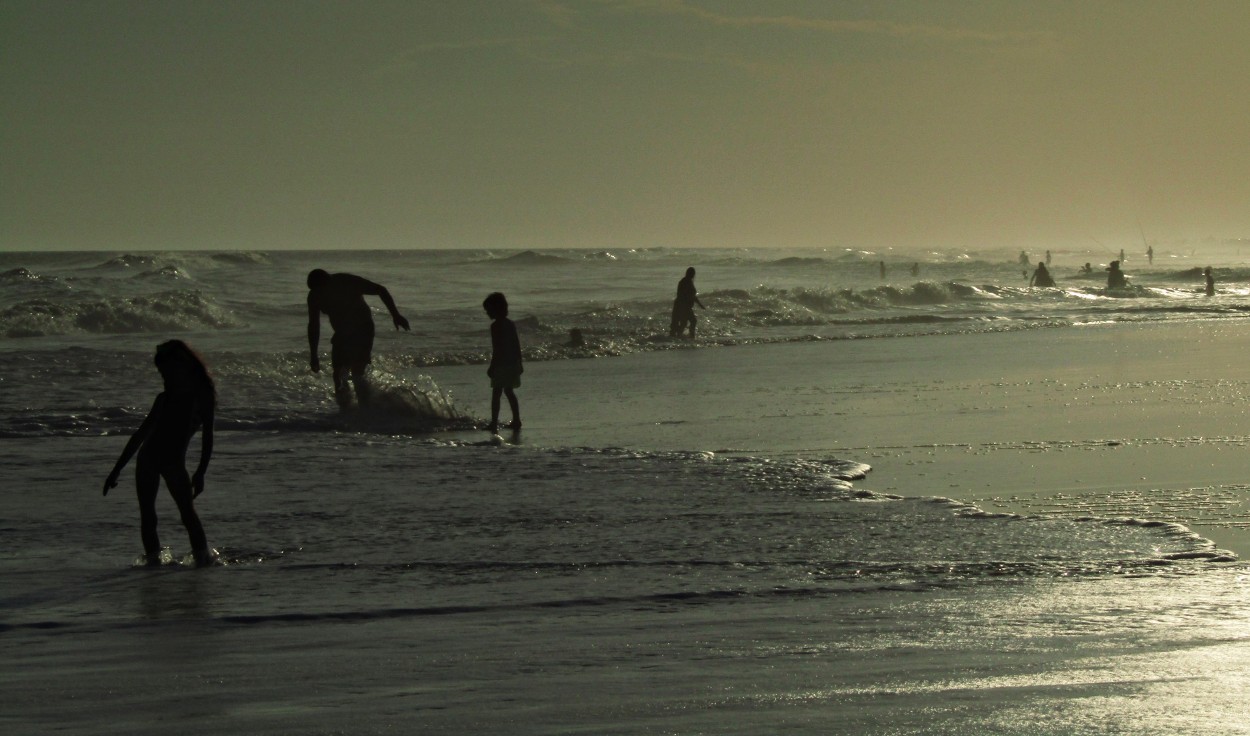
point(206, 453)
point(135, 442)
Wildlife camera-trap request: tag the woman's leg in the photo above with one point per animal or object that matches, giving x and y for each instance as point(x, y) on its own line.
point(148, 483)
point(179, 484)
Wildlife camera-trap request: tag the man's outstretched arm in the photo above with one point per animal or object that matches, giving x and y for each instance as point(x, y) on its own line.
point(385, 295)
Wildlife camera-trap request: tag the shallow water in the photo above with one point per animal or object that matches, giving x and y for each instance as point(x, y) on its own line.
point(682, 540)
point(376, 582)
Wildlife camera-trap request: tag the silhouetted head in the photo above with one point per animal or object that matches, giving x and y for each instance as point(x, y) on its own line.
point(317, 277)
point(177, 361)
point(496, 305)
point(690, 272)
point(1115, 266)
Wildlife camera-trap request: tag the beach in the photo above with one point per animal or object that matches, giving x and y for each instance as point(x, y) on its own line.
point(1033, 530)
point(1144, 652)
point(1142, 421)
point(880, 368)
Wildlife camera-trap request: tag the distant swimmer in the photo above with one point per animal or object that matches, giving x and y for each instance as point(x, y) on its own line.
point(505, 360)
point(341, 297)
point(185, 406)
point(1150, 254)
point(683, 306)
point(1041, 277)
point(915, 269)
point(1115, 277)
point(1210, 277)
point(1087, 268)
point(1047, 258)
point(882, 265)
point(1024, 259)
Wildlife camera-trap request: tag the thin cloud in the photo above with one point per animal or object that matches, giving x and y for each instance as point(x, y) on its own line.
point(821, 25)
point(411, 56)
point(559, 14)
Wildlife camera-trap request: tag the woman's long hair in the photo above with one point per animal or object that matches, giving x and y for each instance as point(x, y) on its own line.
point(199, 370)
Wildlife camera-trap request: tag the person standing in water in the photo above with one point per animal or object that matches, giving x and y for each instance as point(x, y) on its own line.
point(1115, 277)
point(1210, 278)
point(341, 297)
point(683, 306)
point(505, 360)
point(1041, 277)
point(185, 406)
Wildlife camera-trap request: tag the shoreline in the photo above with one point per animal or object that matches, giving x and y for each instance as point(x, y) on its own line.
point(1050, 420)
point(1122, 419)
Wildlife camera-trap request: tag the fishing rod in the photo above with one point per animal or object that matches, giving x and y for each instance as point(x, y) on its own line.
point(1100, 245)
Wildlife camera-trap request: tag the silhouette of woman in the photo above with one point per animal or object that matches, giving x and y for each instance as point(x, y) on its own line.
point(185, 406)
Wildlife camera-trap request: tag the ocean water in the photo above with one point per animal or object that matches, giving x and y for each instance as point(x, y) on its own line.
point(466, 582)
point(69, 319)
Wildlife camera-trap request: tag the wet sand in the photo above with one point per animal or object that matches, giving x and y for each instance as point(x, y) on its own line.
point(1143, 420)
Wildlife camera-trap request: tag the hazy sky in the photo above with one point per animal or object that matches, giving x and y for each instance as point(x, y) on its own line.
point(621, 123)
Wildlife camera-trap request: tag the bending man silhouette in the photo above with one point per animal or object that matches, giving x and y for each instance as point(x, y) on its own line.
point(341, 297)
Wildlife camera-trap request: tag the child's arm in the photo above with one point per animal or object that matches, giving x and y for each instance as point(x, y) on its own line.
point(132, 446)
point(206, 453)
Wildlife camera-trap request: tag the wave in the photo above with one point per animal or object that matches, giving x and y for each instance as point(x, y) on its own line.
point(243, 258)
point(257, 393)
point(798, 261)
point(609, 298)
point(1196, 274)
point(531, 258)
point(169, 311)
point(163, 273)
point(129, 261)
point(24, 276)
point(766, 315)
